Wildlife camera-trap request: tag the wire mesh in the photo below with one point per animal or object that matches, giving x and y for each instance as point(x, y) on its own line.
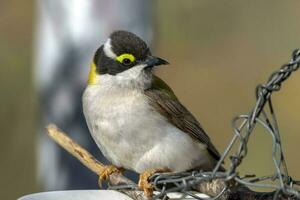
point(262, 114)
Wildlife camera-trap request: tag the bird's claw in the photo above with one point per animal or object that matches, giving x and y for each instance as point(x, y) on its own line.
point(145, 185)
point(107, 171)
point(144, 182)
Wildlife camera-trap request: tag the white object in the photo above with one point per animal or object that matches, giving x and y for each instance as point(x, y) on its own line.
point(77, 195)
point(95, 195)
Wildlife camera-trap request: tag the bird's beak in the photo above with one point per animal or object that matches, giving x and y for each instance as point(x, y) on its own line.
point(152, 61)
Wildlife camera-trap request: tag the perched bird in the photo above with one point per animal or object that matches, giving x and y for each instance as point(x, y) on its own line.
point(136, 119)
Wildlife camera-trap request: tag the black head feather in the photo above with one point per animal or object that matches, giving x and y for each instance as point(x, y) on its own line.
point(126, 42)
point(121, 42)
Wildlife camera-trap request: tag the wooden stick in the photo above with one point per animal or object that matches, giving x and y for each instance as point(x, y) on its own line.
point(89, 161)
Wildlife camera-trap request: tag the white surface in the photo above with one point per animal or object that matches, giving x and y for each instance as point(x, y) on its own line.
point(77, 195)
point(93, 195)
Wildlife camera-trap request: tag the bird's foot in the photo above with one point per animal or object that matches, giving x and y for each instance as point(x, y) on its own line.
point(108, 170)
point(144, 183)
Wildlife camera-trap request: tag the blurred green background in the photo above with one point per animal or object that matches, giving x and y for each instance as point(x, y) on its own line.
point(218, 50)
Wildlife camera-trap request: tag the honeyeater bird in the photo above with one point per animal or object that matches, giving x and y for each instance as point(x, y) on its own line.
point(135, 118)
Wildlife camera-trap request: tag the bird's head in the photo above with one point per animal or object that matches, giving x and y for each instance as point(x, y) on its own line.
point(124, 58)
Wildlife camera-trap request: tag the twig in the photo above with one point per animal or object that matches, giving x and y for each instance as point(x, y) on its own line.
point(90, 162)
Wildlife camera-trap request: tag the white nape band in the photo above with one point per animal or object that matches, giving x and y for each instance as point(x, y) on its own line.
point(108, 49)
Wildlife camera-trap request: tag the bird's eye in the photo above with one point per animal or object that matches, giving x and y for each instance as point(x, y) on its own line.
point(126, 59)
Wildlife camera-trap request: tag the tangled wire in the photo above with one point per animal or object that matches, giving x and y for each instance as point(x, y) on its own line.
point(262, 114)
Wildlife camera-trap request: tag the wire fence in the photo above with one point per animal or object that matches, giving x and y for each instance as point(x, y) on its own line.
point(262, 114)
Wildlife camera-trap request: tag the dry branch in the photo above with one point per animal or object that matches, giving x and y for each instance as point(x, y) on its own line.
point(89, 161)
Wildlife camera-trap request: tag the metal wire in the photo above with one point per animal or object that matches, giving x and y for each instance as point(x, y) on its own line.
point(262, 114)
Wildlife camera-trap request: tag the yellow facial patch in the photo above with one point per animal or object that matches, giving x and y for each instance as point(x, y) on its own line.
point(92, 75)
point(125, 58)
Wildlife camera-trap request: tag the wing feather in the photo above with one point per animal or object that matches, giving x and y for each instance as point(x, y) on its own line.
point(163, 99)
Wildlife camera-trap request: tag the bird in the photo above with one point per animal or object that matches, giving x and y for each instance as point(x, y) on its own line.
point(136, 119)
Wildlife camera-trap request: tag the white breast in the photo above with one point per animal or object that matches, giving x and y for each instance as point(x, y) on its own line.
point(132, 135)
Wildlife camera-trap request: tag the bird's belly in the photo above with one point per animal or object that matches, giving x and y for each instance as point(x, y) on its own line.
point(132, 135)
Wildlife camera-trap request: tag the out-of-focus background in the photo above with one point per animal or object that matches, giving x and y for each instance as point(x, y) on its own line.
point(218, 50)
